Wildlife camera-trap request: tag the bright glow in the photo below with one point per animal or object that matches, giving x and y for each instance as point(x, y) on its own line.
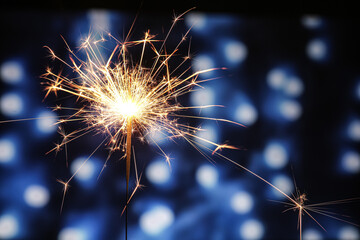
point(7, 150)
point(11, 104)
point(158, 172)
point(71, 233)
point(11, 72)
point(284, 183)
point(207, 176)
point(203, 62)
point(311, 21)
point(156, 220)
point(312, 234)
point(316, 49)
point(99, 20)
point(251, 230)
point(351, 162)
point(202, 97)
point(293, 87)
point(9, 227)
point(348, 233)
point(354, 130)
point(241, 202)
point(291, 110)
point(126, 109)
point(46, 122)
point(246, 114)
point(206, 135)
point(276, 78)
point(197, 21)
point(235, 52)
point(36, 196)
point(86, 171)
point(275, 155)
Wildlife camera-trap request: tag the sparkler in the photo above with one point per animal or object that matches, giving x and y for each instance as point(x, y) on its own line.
point(121, 98)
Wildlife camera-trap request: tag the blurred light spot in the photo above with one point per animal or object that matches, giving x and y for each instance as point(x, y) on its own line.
point(9, 227)
point(291, 110)
point(311, 21)
point(252, 229)
point(246, 114)
point(156, 137)
point(207, 132)
point(357, 89)
point(241, 202)
point(46, 122)
point(203, 97)
point(7, 150)
point(156, 220)
point(275, 155)
point(195, 20)
point(11, 72)
point(276, 78)
point(351, 162)
point(84, 171)
point(71, 233)
point(354, 130)
point(235, 52)
point(312, 234)
point(36, 196)
point(316, 49)
point(348, 233)
point(284, 184)
point(293, 87)
point(158, 172)
point(203, 62)
point(11, 104)
point(207, 176)
point(99, 20)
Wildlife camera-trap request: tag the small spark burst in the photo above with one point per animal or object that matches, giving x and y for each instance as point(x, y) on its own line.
point(298, 203)
point(121, 98)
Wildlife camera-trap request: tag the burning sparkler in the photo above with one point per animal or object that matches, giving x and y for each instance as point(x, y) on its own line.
point(121, 98)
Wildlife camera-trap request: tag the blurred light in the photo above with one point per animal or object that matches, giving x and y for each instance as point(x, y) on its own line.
point(207, 176)
point(203, 62)
point(158, 172)
point(246, 114)
point(84, 171)
point(11, 104)
point(284, 184)
point(348, 233)
point(357, 89)
point(241, 202)
point(290, 109)
point(276, 78)
point(311, 234)
point(251, 230)
point(351, 162)
point(354, 130)
point(203, 97)
point(195, 20)
point(235, 52)
point(11, 72)
point(72, 233)
point(7, 150)
point(9, 226)
point(293, 87)
point(209, 133)
point(99, 20)
point(36, 196)
point(156, 137)
point(275, 155)
point(156, 220)
point(316, 50)
point(311, 21)
point(46, 122)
